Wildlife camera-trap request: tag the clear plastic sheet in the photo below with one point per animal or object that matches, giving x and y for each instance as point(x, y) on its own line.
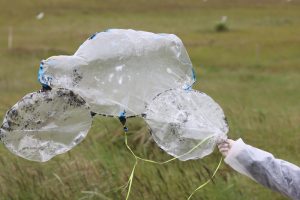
point(181, 119)
point(119, 73)
point(44, 124)
point(121, 70)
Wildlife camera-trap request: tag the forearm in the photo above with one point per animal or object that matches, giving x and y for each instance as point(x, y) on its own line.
point(262, 167)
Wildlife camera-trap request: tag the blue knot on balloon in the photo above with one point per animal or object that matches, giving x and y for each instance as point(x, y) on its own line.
point(122, 118)
point(92, 36)
point(41, 77)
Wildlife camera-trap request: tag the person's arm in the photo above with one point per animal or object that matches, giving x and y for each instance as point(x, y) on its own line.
point(262, 167)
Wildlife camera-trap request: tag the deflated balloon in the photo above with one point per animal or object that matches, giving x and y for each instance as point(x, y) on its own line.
point(44, 124)
point(121, 70)
point(185, 120)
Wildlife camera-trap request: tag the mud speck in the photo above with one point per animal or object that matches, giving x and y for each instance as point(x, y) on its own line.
point(77, 77)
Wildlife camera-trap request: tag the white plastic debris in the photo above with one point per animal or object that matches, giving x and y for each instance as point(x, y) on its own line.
point(121, 70)
point(45, 124)
point(224, 19)
point(40, 16)
point(181, 119)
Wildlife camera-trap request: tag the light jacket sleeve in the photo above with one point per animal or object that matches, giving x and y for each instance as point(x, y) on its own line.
point(261, 166)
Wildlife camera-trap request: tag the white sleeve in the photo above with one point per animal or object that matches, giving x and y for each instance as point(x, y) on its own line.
point(262, 167)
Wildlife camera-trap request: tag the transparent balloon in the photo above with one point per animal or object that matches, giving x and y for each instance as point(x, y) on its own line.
point(44, 124)
point(181, 119)
point(121, 70)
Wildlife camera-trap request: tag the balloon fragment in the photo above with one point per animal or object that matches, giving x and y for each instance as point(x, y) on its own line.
point(181, 119)
point(117, 73)
point(121, 70)
point(44, 124)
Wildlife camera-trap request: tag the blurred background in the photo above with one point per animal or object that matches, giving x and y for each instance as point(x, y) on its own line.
point(246, 54)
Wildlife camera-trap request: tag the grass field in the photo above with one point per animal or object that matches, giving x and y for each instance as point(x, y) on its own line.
point(252, 71)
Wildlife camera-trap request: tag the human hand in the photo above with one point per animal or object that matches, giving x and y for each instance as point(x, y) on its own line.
point(225, 146)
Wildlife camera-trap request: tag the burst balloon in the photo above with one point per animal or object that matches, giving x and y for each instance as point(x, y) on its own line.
point(44, 124)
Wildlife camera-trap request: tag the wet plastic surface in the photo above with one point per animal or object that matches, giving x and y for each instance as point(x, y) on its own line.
point(121, 70)
point(181, 119)
point(44, 124)
point(120, 73)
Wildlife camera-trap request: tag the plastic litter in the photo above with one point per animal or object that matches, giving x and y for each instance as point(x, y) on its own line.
point(181, 119)
point(44, 124)
point(121, 70)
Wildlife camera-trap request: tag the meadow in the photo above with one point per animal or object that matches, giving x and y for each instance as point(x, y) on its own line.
point(252, 70)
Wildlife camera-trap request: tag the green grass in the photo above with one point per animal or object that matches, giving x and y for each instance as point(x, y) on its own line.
point(252, 71)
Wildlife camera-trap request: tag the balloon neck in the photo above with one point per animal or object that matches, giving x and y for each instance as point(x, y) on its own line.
point(122, 118)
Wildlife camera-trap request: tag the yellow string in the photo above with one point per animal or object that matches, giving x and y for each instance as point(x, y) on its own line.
point(208, 181)
point(137, 158)
point(167, 161)
point(130, 179)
